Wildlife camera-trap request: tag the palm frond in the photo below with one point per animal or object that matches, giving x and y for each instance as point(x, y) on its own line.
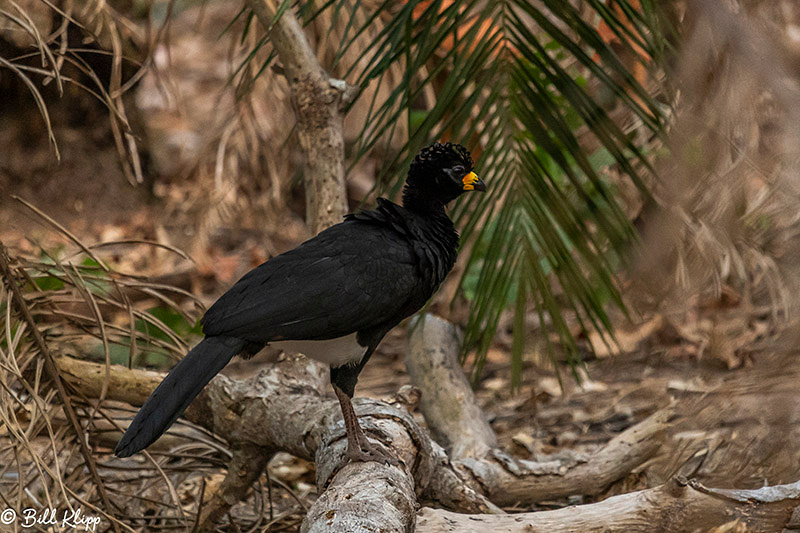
point(512, 82)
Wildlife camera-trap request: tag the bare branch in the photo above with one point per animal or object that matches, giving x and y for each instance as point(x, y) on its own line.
point(245, 468)
point(508, 481)
point(670, 508)
point(448, 403)
point(454, 417)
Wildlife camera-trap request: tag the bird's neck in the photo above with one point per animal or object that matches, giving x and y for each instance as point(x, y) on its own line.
point(434, 237)
point(422, 203)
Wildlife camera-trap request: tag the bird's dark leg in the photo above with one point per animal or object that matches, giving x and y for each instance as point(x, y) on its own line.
point(359, 448)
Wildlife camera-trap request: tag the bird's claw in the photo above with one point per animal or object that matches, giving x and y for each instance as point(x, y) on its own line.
point(369, 452)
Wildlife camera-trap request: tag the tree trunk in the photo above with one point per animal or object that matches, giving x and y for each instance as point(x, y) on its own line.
point(320, 102)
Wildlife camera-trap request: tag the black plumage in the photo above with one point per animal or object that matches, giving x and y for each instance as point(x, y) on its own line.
point(345, 288)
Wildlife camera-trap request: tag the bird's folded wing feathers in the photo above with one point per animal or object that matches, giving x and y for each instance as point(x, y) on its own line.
point(351, 277)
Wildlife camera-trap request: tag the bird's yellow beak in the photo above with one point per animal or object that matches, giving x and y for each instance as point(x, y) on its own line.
point(473, 183)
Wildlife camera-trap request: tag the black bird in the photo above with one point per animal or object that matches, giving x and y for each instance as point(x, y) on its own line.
point(332, 298)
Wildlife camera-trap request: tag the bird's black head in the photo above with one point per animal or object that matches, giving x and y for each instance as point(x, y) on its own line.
point(438, 175)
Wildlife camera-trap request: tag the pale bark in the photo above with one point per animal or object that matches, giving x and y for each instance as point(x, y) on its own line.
point(364, 497)
point(282, 409)
point(509, 481)
point(451, 410)
point(452, 413)
point(453, 489)
point(320, 102)
point(675, 507)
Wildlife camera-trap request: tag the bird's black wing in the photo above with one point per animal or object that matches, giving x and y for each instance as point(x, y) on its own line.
point(355, 275)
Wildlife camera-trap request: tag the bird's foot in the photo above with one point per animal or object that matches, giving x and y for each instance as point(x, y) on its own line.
point(365, 451)
point(359, 448)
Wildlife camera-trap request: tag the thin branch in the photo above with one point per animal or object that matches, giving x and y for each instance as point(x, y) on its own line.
point(452, 413)
point(244, 469)
point(319, 102)
point(448, 403)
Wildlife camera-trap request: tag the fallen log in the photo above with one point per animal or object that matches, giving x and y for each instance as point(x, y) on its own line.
point(677, 506)
point(282, 409)
point(452, 413)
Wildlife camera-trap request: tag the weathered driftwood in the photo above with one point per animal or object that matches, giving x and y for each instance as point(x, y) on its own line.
point(451, 410)
point(453, 489)
point(674, 507)
point(453, 415)
point(508, 481)
point(282, 409)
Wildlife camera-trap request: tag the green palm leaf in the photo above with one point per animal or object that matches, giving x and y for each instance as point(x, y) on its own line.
point(514, 90)
point(510, 83)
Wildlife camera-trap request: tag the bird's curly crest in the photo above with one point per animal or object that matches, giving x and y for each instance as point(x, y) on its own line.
point(434, 155)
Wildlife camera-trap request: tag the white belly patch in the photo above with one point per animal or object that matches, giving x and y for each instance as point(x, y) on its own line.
point(335, 352)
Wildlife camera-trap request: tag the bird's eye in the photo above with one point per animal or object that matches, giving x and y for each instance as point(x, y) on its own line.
point(458, 169)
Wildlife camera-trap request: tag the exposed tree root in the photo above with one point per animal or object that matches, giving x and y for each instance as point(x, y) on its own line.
point(453, 415)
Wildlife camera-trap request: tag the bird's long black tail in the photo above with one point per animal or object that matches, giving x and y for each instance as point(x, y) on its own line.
point(177, 391)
